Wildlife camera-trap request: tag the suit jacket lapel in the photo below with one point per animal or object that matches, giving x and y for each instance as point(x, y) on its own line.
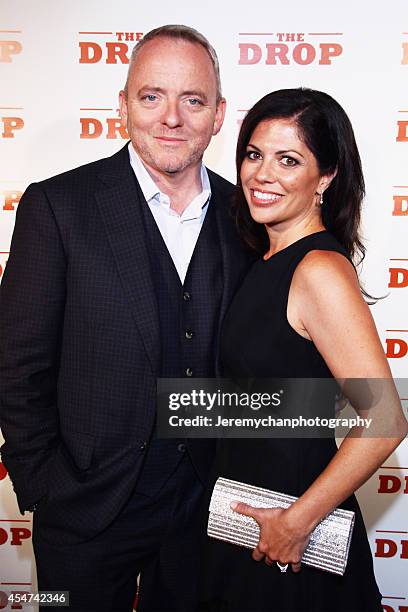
point(233, 260)
point(223, 227)
point(119, 202)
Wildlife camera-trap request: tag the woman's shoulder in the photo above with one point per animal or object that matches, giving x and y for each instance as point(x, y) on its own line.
point(322, 270)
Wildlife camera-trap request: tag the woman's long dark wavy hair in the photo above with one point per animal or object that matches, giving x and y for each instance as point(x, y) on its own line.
point(326, 130)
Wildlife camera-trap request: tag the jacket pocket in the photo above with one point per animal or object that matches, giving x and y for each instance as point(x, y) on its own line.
point(80, 447)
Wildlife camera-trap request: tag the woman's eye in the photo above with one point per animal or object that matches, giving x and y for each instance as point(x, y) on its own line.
point(288, 161)
point(254, 155)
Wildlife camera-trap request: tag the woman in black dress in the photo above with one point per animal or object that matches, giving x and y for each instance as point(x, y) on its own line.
point(299, 313)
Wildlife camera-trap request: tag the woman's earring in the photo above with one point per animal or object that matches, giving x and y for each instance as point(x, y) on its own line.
point(321, 199)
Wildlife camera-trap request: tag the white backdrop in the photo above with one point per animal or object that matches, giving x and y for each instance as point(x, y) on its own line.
point(62, 64)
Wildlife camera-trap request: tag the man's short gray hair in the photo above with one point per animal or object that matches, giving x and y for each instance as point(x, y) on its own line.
point(178, 32)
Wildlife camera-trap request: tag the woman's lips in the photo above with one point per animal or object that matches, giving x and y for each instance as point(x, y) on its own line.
point(265, 197)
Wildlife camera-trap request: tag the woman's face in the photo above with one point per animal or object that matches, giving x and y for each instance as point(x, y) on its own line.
point(280, 176)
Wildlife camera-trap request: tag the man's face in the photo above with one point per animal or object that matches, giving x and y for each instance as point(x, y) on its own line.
point(170, 110)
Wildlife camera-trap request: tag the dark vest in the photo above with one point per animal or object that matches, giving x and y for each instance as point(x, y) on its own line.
point(189, 319)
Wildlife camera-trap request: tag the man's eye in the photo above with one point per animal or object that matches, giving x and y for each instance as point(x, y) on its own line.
point(288, 161)
point(194, 102)
point(254, 155)
point(150, 98)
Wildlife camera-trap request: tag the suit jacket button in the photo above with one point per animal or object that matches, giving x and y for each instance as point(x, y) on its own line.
point(143, 446)
point(186, 296)
point(181, 448)
point(189, 372)
point(189, 334)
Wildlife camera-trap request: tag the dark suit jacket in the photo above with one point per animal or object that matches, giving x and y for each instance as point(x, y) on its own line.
point(79, 341)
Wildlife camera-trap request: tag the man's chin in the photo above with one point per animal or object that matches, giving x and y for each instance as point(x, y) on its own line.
point(175, 166)
point(169, 164)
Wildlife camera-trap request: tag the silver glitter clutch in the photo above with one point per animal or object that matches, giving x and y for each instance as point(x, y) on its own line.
point(329, 543)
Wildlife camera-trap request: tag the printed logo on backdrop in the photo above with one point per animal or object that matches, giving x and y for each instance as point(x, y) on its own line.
point(241, 115)
point(391, 544)
point(11, 121)
point(3, 260)
point(402, 126)
point(395, 604)
point(97, 122)
point(396, 345)
point(107, 47)
point(10, 195)
point(289, 48)
point(393, 480)
point(15, 589)
point(10, 45)
point(400, 200)
point(3, 471)
point(16, 533)
point(398, 273)
point(404, 45)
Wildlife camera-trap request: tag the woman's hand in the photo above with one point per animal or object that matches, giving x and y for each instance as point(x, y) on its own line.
point(279, 539)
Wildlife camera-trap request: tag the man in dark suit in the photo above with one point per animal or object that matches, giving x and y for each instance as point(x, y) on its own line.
point(120, 272)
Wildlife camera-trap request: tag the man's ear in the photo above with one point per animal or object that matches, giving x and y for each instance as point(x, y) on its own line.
point(123, 108)
point(219, 115)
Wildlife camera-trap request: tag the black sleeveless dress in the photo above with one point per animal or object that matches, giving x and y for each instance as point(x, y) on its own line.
point(258, 341)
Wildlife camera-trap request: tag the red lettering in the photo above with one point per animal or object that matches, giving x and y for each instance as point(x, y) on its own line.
point(118, 50)
point(3, 536)
point(387, 608)
point(10, 125)
point(404, 53)
point(18, 534)
point(129, 36)
point(304, 54)
point(4, 602)
point(399, 208)
point(115, 129)
point(91, 53)
point(404, 552)
point(93, 128)
point(328, 51)
point(9, 48)
point(398, 278)
point(396, 348)
point(277, 52)
point(3, 471)
point(402, 135)
point(290, 37)
point(90, 127)
point(249, 53)
point(389, 484)
point(385, 548)
point(11, 199)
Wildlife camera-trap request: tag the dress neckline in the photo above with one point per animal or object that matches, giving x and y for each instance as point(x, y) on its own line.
point(292, 244)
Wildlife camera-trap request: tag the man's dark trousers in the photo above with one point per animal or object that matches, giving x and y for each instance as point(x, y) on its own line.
point(156, 536)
